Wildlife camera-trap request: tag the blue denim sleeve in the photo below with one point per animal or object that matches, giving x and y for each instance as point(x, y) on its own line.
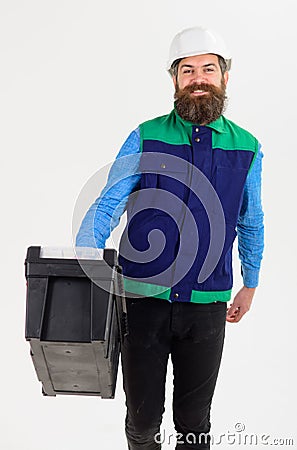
point(250, 226)
point(105, 213)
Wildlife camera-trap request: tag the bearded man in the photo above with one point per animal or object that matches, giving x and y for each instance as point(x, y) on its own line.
point(190, 181)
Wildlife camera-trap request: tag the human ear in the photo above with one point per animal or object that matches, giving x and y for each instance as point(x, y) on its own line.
point(226, 77)
point(174, 79)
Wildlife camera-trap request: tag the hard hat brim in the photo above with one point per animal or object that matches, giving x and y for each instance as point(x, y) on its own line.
point(187, 55)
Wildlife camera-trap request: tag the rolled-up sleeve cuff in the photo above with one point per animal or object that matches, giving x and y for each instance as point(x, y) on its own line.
point(250, 277)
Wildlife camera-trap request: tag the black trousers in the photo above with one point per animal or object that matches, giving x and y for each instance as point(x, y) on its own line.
point(194, 335)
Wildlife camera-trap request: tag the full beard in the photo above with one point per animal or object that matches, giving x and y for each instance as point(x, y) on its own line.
point(201, 109)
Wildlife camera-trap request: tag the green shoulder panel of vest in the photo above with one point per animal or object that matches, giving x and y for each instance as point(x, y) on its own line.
point(166, 129)
point(232, 137)
point(171, 129)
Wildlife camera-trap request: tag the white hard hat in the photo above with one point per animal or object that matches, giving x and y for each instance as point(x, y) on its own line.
point(197, 41)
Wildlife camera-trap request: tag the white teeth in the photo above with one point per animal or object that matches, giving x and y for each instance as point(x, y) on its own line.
point(198, 90)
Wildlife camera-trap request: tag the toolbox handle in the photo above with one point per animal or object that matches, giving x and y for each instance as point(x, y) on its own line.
point(121, 304)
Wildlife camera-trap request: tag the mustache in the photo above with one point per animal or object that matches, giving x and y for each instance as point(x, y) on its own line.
point(198, 86)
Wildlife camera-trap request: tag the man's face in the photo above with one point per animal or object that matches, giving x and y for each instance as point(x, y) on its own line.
point(200, 89)
point(199, 69)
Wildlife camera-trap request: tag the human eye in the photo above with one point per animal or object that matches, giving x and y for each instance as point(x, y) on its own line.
point(209, 69)
point(186, 69)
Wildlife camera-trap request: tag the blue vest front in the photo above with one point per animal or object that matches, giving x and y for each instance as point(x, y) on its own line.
point(182, 217)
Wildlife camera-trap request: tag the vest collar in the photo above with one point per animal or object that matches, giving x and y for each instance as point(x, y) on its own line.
point(217, 125)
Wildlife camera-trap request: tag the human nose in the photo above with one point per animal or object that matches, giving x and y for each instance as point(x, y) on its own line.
point(198, 76)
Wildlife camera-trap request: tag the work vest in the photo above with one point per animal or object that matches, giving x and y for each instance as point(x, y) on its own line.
point(182, 216)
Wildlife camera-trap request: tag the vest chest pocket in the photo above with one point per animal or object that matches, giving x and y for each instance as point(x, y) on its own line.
point(166, 173)
point(173, 179)
point(229, 184)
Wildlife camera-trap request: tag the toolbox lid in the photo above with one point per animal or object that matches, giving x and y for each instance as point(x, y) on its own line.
point(71, 253)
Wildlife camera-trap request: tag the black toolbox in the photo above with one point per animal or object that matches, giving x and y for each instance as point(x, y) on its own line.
point(75, 322)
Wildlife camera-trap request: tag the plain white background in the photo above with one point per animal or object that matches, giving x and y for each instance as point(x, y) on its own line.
point(76, 78)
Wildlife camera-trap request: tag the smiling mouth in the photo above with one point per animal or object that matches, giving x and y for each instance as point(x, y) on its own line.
point(199, 92)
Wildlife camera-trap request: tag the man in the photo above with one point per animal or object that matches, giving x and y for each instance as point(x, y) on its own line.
point(188, 180)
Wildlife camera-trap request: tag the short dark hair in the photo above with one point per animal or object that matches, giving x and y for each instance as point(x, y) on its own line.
point(174, 66)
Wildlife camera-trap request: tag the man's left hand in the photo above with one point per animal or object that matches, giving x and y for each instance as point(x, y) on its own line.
point(241, 304)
